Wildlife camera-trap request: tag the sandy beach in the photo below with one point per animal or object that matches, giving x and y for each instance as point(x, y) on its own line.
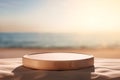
point(99, 52)
point(105, 67)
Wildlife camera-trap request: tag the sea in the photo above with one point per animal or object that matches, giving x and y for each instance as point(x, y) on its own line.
point(47, 40)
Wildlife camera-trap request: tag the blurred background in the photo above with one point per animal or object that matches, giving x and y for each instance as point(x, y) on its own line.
point(81, 24)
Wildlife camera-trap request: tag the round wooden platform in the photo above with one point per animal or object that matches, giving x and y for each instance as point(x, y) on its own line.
point(57, 61)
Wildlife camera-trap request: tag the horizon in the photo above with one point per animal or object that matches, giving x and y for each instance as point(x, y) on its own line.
point(97, 19)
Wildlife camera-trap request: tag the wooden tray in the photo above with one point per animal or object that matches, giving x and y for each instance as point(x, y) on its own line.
point(57, 61)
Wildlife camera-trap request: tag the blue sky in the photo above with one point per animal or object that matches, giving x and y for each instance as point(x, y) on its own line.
point(9, 7)
point(86, 16)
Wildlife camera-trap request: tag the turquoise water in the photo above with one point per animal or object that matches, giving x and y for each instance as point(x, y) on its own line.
point(46, 40)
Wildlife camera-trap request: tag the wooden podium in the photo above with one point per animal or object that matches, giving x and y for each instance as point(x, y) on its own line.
point(57, 61)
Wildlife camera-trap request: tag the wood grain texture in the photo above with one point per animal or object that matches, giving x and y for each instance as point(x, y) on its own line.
point(58, 64)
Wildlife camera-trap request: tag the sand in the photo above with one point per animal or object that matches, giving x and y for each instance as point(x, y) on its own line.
point(104, 68)
point(99, 52)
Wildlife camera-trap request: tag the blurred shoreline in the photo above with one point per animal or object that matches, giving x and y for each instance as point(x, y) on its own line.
point(97, 52)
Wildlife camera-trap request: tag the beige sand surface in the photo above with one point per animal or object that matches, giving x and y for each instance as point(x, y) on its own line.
point(100, 52)
point(104, 69)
